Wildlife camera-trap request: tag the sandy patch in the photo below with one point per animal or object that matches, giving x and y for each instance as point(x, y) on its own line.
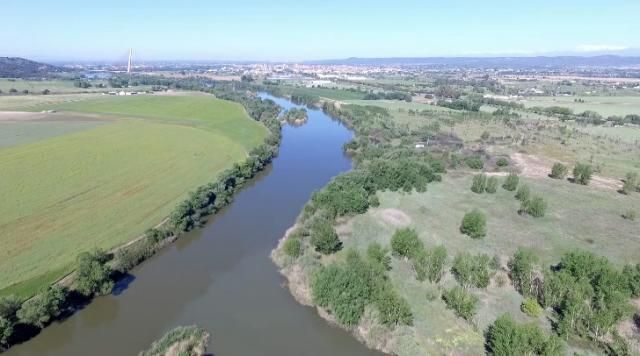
point(394, 217)
point(538, 167)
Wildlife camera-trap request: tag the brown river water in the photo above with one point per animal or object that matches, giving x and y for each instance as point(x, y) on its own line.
point(220, 277)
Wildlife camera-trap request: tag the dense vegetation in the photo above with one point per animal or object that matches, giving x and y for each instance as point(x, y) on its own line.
point(183, 340)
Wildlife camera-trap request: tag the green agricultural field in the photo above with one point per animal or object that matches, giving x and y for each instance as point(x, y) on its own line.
point(56, 86)
point(18, 133)
point(578, 217)
point(28, 102)
point(604, 105)
point(104, 186)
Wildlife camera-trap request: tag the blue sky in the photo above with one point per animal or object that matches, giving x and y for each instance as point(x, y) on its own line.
point(298, 29)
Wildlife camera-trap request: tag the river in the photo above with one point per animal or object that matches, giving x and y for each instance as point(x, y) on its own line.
point(220, 277)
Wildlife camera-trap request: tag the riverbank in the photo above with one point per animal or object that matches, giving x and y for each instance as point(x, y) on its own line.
point(115, 266)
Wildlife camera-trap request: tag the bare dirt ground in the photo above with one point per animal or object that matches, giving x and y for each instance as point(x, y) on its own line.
point(394, 217)
point(537, 167)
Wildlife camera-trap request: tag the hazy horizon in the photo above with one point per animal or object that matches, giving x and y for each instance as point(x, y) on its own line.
point(296, 31)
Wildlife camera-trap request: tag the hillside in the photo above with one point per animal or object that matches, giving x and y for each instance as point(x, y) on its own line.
point(16, 67)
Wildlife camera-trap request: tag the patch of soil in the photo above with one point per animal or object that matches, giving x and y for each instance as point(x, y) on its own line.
point(394, 217)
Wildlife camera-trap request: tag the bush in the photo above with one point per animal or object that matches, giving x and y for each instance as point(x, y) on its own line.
point(474, 162)
point(393, 309)
point(535, 207)
point(505, 338)
point(523, 194)
point(531, 307)
point(582, 173)
point(130, 256)
point(492, 185)
point(293, 247)
point(430, 264)
point(479, 183)
point(511, 182)
point(471, 271)
point(378, 254)
point(405, 243)
point(463, 303)
point(485, 135)
point(629, 215)
point(502, 162)
point(44, 307)
point(9, 305)
point(93, 276)
point(324, 238)
point(631, 183)
point(559, 171)
point(474, 224)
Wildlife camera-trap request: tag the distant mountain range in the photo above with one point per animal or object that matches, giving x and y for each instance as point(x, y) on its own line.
point(16, 67)
point(492, 62)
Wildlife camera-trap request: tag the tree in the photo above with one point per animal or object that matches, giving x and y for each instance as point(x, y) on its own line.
point(43, 307)
point(559, 171)
point(505, 338)
point(9, 305)
point(93, 276)
point(474, 224)
point(522, 270)
point(13, 91)
point(471, 271)
point(378, 254)
point(463, 303)
point(6, 329)
point(474, 162)
point(430, 264)
point(46, 92)
point(511, 182)
point(582, 173)
point(393, 308)
point(293, 247)
point(523, 193)
point(492, 185)
point(324, 238)
point(405, 243)
point(631, 183)
point(479, 183)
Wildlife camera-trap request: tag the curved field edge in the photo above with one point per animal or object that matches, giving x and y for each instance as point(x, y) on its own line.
point(109, 183)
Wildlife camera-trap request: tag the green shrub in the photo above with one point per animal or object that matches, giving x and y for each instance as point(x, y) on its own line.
point(511, 182)
point(430, 264)
point(93, 276)
point(523, 193)
point(43, 307)
point(9, 305)
point(582, 173)
point(374, 201)
point(502, 162)
point(630, 215)
point(492, 185)
point(531, 307)
point(485, 135)
point(479, 183)
point(506, 338)
point(380, 255)
point(471, 271)
point(405, 243)
point(535, 207)
point(463, 303)
point(324, 238)
point(631, 183)
point(474, 224)
point(474, 162)
point(292, 247)
point(394, 309)
point(559, 171)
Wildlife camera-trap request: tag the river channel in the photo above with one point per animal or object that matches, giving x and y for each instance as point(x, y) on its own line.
point(221, 277)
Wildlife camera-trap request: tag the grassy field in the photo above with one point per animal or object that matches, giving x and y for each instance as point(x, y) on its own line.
point(28, 102)
point(55, 86)
point(604, 105)
point(578, 217)
point(334, 94)
point(104, 186)
point(624, 133)
point(19, 133)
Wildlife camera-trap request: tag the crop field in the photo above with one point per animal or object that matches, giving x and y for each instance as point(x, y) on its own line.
point(577, 217)
point(55, 86)
point(28, 102)
point(103, 186)
point(604, 105)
